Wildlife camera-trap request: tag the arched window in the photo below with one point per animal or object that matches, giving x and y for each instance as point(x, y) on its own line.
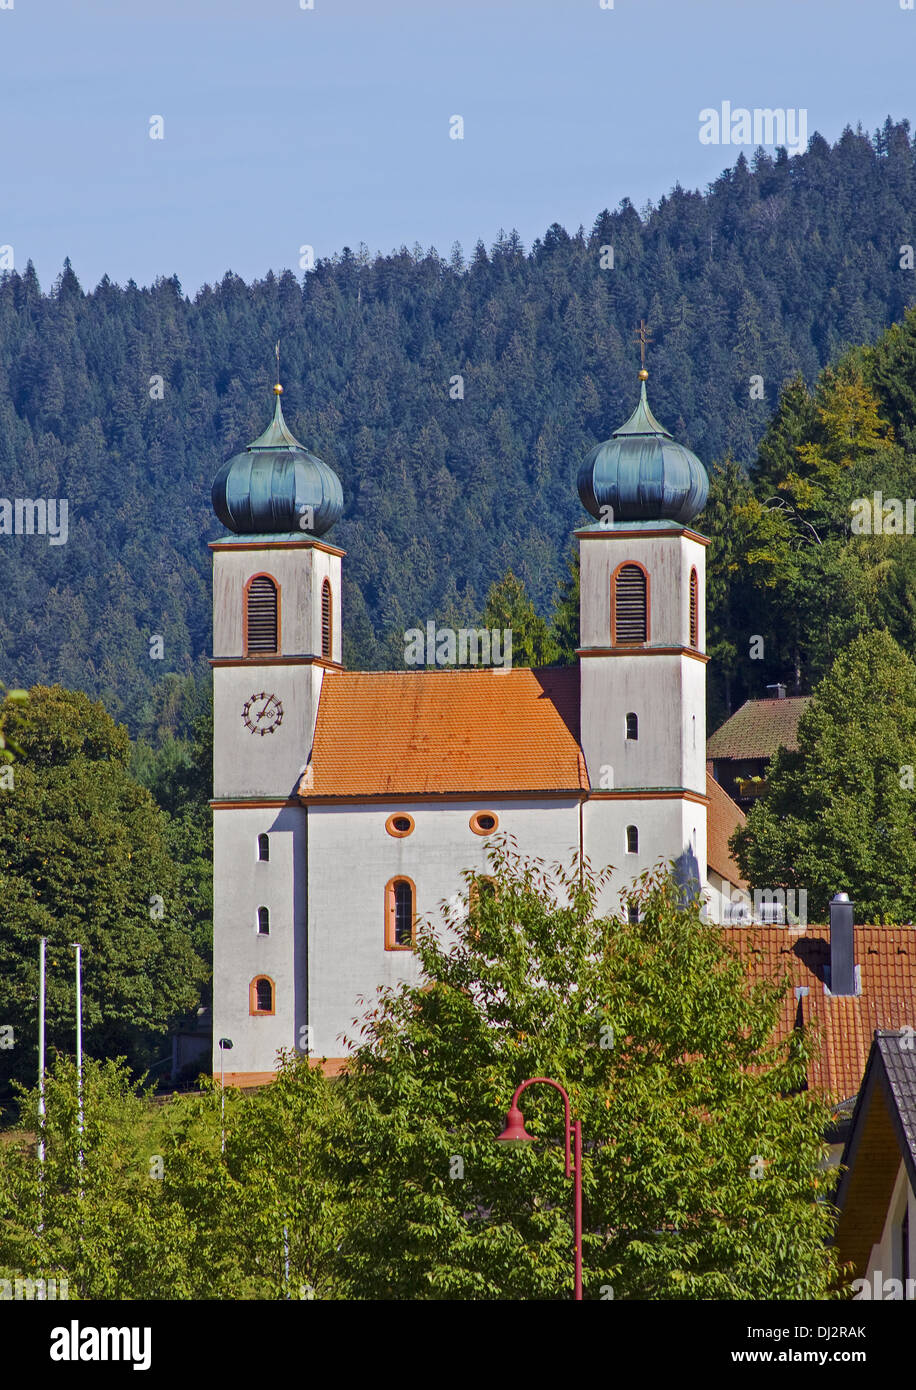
point(262, 615)
point(263, 922)
point(632, 840)
point(261, 995)
point(631, 619)
point(694, 611)
point(263, 847)
point(632, 726)
point(399, 914)
point(327, 621)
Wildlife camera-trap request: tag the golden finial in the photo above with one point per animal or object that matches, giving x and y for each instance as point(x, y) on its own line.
point(278, 389)
point(643, 336)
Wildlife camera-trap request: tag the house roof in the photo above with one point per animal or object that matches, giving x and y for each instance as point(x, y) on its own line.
point(886, 957)
point(722, 820)
point(759, 728)
point(396, 733)
point(883, 1132)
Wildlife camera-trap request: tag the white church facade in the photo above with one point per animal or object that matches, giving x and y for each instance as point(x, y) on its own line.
point(347, 804)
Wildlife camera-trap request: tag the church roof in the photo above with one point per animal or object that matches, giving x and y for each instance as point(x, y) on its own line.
point(759, 728)
point(397, 733)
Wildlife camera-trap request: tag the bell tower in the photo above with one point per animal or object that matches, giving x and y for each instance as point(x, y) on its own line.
point(642, 656)
point(276, 635)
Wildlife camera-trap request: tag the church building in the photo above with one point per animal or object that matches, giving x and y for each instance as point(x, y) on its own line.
point(346, 804)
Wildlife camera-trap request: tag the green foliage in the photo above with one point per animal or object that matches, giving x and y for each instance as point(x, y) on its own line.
point(508, 607)
point(86, 856)
point(785, 564)
point(840, 813)
point(668, 1058)
point(154, 1209)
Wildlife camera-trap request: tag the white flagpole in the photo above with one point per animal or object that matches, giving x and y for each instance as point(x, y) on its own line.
point(42, 951)
point(79, 1048)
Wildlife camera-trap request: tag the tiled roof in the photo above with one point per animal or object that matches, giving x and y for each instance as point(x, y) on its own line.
point(722, 820)
point(883, 1130)
point(886, 957)
point(898, 1053)
point(396, 733)
point(759, 728)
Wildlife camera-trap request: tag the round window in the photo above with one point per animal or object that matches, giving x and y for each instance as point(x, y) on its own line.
point(484, 822)
point(399, 825)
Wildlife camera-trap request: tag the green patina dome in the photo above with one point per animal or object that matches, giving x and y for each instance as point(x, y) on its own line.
point(276, 485)
point(642, 473)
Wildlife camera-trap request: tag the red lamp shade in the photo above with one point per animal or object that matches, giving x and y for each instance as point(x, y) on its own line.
point(515, 1131)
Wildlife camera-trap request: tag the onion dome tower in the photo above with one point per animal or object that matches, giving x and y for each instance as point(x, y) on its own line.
point(642, 473)
point(276, 485)
point(642, 647)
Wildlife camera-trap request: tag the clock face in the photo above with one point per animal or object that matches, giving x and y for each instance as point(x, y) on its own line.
point(263, 713)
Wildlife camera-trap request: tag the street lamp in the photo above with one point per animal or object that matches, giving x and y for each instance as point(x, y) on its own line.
point(225, 1045)
point(515, 1133)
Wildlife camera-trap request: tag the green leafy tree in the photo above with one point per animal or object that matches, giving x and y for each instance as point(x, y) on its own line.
point(840, 813)
point(145, 1204)
point(509, 607)
point(85, 857)
point(668, 1055)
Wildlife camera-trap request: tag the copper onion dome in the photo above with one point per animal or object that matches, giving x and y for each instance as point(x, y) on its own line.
point(642, 473)
point(276, 486)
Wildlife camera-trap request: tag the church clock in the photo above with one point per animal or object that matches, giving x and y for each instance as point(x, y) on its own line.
point(263, 713)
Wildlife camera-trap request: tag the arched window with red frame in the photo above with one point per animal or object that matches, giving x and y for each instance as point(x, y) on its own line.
point(694, 611)
point(261, 618)
point(327, 621)
point(630, 605)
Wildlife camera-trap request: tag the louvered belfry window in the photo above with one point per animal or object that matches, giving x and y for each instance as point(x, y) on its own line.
point(694, 611)
point(262, 615)
point(630, 604)
point(327, 630)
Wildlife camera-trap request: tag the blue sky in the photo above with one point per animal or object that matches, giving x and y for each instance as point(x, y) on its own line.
point(286, 127)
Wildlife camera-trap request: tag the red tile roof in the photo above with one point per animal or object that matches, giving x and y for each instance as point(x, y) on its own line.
point(396, 733)
point(722, 820)
point(886, 957)
point(759, 728)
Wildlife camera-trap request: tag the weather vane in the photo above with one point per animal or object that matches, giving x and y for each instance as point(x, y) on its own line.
point(643, 336)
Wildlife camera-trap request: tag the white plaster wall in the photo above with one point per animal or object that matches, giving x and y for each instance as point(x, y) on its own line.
point(299, 571)
point(242, 884)
point(668, 695)
point(352, 858)
point(255, 764)
point(667, 829)
point(668, 560)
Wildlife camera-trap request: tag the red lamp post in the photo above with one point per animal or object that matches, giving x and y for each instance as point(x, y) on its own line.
point(515, 1133)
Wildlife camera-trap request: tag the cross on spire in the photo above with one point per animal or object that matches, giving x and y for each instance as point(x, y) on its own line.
point(643, 336)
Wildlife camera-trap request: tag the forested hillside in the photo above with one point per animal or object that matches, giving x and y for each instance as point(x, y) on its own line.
point(777, 268)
